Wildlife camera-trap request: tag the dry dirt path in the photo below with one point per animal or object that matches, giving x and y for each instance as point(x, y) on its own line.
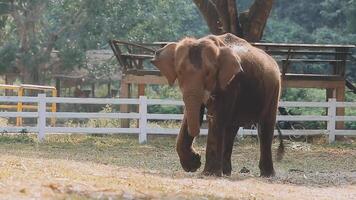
point(39, 178)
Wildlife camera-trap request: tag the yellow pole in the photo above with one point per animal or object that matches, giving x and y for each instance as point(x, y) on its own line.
point(54, 107)
point(19, 106)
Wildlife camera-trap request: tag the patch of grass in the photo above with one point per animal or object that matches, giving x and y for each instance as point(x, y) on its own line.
point(159, 153)
point(23, 138)
point(351, 144)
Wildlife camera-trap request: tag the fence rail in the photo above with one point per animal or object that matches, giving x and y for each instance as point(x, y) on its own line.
point(143, 117)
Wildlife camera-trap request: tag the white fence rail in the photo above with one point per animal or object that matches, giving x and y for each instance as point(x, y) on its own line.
point(143, 117)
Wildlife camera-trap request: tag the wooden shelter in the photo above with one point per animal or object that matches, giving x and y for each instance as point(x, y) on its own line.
point(300, 66)
point(98, 70)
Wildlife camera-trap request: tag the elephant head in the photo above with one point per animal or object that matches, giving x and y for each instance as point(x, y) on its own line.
point(200, 65)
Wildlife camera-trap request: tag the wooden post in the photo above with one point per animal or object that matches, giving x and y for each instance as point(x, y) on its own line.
point(341, 57)
point(41, 121)
point(142, 138)
point(330, 93)
point(19, 107)
point(331, 122)
point(54, 108)
point(339, 94)
point(340, 97)
point(6, 83)
point(109, 90)
point(58, 87)
point(93, 90)
point(141, 90)
point(124, 93)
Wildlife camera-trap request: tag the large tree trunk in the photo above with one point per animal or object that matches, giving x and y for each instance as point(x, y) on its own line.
point(211, 16)
point(222, 17)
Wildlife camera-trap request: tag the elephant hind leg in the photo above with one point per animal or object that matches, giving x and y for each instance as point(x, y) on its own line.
point(228, 145)
point(265, 134)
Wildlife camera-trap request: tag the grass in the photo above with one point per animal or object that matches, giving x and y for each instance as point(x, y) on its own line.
point(94, 167)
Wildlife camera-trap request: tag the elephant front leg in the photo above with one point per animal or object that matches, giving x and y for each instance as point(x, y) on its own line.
point(189, 158)
point(214, 150)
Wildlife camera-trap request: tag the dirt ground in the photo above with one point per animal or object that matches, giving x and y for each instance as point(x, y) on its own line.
point(116, 167)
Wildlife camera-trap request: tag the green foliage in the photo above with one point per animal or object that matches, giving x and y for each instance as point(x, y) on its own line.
point(164, 92)
point(7, 56)
point(351, 16)
point(23, 138)
point(71, 56)
point(285, 30)
point(76, 26)
point(88, 24)
point(317, 21)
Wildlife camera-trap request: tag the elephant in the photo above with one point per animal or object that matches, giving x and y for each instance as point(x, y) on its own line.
point(238, 83)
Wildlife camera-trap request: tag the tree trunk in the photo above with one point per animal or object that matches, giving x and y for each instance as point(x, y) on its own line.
point(257, 19)
point(222, 17)
point(211, 16)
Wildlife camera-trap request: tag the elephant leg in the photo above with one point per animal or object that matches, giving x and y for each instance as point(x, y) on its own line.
point(228, 145)
point(189, 158)
point(214, 150)
point(265, 134)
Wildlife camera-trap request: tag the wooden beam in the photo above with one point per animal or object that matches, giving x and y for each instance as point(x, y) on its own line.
point(340, 97)
point(141, 90)
point(312, 84)
point(124, 93)
point(147, 79)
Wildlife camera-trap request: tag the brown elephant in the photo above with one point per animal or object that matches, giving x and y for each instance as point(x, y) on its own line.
point(238, 83)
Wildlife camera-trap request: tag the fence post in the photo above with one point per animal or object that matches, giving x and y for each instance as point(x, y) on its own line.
point(142, 137)
point(41, 121)
point(240, 132)
point(332, 119)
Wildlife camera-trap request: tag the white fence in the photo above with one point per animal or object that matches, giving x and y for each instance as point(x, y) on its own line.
point(143, 116)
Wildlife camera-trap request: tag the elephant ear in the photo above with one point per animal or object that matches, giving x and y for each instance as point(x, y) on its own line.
point(229, 64)
point(164, 61)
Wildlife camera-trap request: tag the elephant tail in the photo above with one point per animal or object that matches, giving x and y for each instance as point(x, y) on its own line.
point(280, 151)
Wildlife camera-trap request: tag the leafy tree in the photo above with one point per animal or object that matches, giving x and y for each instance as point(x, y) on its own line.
point(31, 30)
point(222, 16)
point(35, 37)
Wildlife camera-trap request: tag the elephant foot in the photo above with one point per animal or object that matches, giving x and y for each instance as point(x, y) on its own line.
point(227, 173)
point(267, 173)
point(191, 162)
point(267, 170)
point(212, 170)
point(217, 173)
point(227, 168)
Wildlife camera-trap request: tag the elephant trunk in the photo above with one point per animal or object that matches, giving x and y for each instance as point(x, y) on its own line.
point(192, 111)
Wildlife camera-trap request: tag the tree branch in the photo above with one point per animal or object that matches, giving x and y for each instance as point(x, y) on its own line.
point(211, 16)
point(254, 20)
point(222, 9)
point(235, 26)
point(75, 20)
